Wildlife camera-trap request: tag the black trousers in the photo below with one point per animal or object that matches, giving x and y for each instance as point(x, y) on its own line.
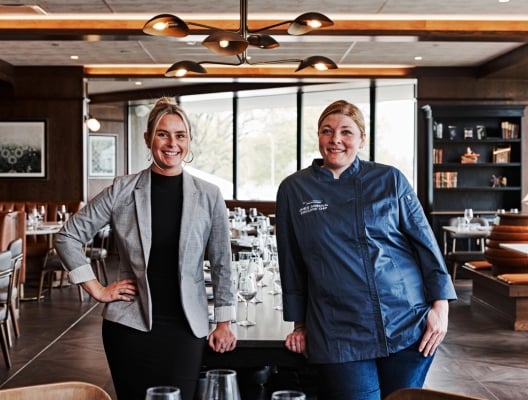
point(169, 355)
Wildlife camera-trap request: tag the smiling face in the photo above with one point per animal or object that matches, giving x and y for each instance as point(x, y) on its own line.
point(340, 139)
point(169, 144)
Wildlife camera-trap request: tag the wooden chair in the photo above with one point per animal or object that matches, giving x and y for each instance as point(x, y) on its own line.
point(56, 391)
point(6, 281)
point(427, 394)
point(97, 252)
point(53, 264)
point(456, 258)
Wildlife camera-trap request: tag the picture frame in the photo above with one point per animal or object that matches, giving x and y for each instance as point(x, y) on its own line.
point(102, 155)
point(23, 149)
point(501, 155)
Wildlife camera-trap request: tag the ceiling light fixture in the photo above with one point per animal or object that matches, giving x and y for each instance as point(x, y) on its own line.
point(229, 43)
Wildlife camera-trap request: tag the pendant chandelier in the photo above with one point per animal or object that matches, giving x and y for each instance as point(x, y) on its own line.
point(235, 43)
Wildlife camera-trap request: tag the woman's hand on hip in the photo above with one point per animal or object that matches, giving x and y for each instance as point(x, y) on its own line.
point(123, 290)
point(436, 330)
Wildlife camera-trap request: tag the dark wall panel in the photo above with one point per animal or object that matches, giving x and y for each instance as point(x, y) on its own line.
point(54, 95)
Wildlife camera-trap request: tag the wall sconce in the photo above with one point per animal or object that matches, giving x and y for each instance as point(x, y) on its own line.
point(92, 123)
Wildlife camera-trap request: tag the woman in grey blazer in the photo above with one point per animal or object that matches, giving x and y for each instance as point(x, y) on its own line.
point(164, 222)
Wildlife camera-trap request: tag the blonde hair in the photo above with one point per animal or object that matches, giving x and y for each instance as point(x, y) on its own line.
point(165, 106)
point(345, 108)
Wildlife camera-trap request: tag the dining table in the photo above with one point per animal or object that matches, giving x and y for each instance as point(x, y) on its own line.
point(473, 232)
point(261, 344)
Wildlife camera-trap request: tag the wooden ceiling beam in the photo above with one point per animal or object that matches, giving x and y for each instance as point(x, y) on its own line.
point(492, 29)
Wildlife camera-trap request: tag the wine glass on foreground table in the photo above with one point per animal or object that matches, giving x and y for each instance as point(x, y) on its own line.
point(163, 393)
point(247, 290)
point(288, 395)
point(221, 384)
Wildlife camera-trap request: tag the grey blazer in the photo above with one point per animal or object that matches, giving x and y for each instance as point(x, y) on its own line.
point(125, 205)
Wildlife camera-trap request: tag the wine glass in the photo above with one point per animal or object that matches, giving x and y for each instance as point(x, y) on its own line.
point(288, 395)
point(221, 384)
point(61, 212)
point(253, 213)
point(247, 290)
point(163, 393)
point(468, 216)
point(256, 266)
point(274, 268)
point(42, 212)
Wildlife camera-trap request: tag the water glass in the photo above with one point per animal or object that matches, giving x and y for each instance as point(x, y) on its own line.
point(221, 384)
point(163, 393)
point(288, 395)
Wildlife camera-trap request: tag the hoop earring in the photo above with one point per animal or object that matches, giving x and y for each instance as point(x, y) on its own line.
point(192, 158)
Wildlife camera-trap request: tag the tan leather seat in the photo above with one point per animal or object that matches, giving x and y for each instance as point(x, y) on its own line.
point(56, 391)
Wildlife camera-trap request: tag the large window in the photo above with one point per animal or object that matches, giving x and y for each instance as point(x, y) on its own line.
point(267, 126)
point(247, 143)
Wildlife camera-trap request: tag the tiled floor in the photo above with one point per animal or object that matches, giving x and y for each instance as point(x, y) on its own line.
point(61, 341)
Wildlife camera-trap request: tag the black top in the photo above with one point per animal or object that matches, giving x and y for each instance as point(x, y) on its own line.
point(162, 271)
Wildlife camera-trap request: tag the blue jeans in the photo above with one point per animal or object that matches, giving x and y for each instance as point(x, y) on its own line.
point(373, 379)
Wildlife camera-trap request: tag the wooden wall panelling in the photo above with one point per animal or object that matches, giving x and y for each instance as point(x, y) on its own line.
point(56, 96)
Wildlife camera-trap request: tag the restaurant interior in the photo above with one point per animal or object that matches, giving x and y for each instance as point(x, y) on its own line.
point(460, 67)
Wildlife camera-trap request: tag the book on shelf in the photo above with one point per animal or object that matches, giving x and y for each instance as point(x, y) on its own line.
point(509, 130)
point(437, 156)
point(445, 179)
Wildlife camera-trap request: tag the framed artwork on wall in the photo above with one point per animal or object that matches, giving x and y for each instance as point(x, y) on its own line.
point(102, 155)
point(22, 149)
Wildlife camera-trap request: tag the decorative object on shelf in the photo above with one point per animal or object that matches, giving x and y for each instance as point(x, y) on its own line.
point(231, 43)
point(452, 129)
point(468, 132)
point(512, 228)
point(439, 130)
point(498, 181)
point(501, 155)
point(481, 132)
point(470, 157)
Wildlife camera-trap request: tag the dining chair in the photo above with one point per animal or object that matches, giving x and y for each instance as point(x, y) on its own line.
point(97, 252)
point(15, 248)
point(6, 281)
point(70, 390)
point(53, 264)
point(427, 394)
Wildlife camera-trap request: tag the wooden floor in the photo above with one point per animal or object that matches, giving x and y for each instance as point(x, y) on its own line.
point(61, 341)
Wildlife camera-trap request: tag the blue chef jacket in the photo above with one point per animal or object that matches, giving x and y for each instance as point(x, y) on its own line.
point(359, 262)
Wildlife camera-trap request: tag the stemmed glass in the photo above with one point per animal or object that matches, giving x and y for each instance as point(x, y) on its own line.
point(247, 290)
point(61, 212)
point(468, 216)
point(163, 393)
point(288, 395)
point(256, 266)
point(221, 384)
point(42, 213)
point(274, 268)
point(253, 213)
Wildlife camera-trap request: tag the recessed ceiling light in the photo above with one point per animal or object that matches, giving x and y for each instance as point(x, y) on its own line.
point(74, 57)
point(418, 58)
point(138, 83)
point(504, 1)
